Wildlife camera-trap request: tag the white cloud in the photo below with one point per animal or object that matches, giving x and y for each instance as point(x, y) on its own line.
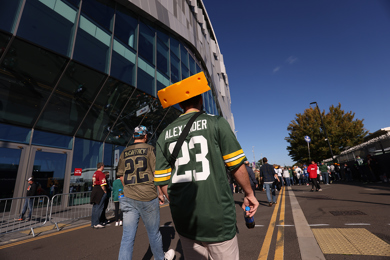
point(291, 60)
point(276, 69)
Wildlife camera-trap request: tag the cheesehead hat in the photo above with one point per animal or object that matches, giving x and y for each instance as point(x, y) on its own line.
point(183, 90)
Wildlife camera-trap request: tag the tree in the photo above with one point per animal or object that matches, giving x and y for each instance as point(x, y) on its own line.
point(342, 129)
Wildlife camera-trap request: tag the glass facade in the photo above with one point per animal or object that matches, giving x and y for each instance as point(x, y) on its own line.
point(77, 76)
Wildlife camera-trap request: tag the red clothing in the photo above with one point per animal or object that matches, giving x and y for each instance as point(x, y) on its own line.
point(312, 170)
point(99, 178)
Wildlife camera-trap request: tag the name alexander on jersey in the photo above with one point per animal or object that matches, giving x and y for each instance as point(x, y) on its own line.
point(196, 126)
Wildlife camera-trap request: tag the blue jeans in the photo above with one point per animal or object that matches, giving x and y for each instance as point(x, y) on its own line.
point(287, 181)
point(270, 187)
point(29, 202)
point(149, 211)
point(325, 177)
point(97, 211)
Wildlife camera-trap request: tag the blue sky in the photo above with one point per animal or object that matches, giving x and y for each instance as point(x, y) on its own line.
point(282, 55)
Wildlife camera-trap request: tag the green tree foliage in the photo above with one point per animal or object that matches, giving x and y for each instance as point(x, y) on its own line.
point(342, 129)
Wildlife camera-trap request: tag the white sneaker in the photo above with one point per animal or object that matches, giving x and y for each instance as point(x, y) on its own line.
point(169, 255)
point(116, 223)
point(120, 223)
point(98, 226)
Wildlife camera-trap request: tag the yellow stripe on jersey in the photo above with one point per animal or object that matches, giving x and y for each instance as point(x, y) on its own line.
point(235, 158)
point(230, 156)
point(162, 175)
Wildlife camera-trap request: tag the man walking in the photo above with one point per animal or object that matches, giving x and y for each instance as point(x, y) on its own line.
point(312, 170)
point(195, 182)
point(324, 172)
point(268, 174)
point(29, 202)
point(136, 170)
point(252, 177)
point(98, 195)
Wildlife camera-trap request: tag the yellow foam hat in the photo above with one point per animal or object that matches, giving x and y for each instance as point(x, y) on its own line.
point(183, 90)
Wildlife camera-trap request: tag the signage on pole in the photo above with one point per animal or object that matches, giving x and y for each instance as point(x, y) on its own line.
point(116, 158)
point(307, 139)
point(78, 171)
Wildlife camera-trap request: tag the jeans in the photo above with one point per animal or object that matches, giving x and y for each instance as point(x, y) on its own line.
point(325, 177)
point(97, 210)
point(292, 180)
point(270, 187)
point(287, 180)
point(149, 211)
point(29, 202)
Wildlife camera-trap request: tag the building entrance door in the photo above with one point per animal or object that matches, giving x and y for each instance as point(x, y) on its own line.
point(49, 166)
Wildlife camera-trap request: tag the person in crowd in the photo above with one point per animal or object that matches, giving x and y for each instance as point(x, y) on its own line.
point(347, 172)
point(361, 169)
point(103, 219)
point(324, 172)
point(290, 172)
point(312, 170)
point(252, 177)
point(305, 176)
point(286, 176)
point(136, 169)
point(29, 202)
point(268, 175)
point(116, 186)
point(373, 168)
point(298, 172)
point(98, 195)
point(191, 189)
point(279, 171)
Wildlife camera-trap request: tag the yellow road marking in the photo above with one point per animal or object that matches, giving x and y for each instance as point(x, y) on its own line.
point(279, 250)
point(41, 237)
point(267, 240)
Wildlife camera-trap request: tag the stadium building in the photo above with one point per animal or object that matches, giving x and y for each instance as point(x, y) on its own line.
point(76, 77)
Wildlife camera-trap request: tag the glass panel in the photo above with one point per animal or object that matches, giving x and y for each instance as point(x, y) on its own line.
point(145, 79)
point(192, 65)
point(52, 140)
point(101, 12)
point(123, 63)
point(111, 158)
point(146, 42)
point(12, 133)
point(138, 106)
point(49, 168)
point(162, 81)
point(175, 68)
point(9, 165)
point(163, 37)
point(174, 46)
point(4, 39)
point(86, 155)
point(126, 27)
point(185, 73)
point(9, 13)
point(43, 18)
point(27, 77)
point(198, 69)
point(71, 100)
point(92, 45)
point(162, 57)
point(184, 56)
point(105, 110)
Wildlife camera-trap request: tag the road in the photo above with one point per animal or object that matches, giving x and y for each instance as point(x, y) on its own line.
point(344, 221)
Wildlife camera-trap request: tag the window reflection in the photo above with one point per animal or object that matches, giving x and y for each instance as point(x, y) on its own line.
point(12, 133)
point(106, 109)
point(123, 63)
point(4, 39)
point(175, 68)
point(162, 81)
point(146, 42)
point(162, 57)
point(8, 14)
point(126, 27)
point(55, 18)
point(27, 77)
point(52, 140)
point(9, 165)
point(71, 100)
point(145, 77)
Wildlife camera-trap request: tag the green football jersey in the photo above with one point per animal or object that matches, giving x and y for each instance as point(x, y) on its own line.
point(201, 200)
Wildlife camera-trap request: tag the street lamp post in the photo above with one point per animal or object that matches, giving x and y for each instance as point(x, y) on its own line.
point(323, 127)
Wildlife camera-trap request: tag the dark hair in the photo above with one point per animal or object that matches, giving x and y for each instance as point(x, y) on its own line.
point(265, 160)
point(190, 103)
point(100, 164)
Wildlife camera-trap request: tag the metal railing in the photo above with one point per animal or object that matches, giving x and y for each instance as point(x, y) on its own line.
point(69, 207)
point(35, 209)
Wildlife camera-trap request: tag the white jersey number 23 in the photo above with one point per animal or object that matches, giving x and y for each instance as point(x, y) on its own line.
point(185, 159)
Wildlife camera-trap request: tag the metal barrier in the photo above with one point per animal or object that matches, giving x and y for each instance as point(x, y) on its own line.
point(69, 207)
point(36, 213)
